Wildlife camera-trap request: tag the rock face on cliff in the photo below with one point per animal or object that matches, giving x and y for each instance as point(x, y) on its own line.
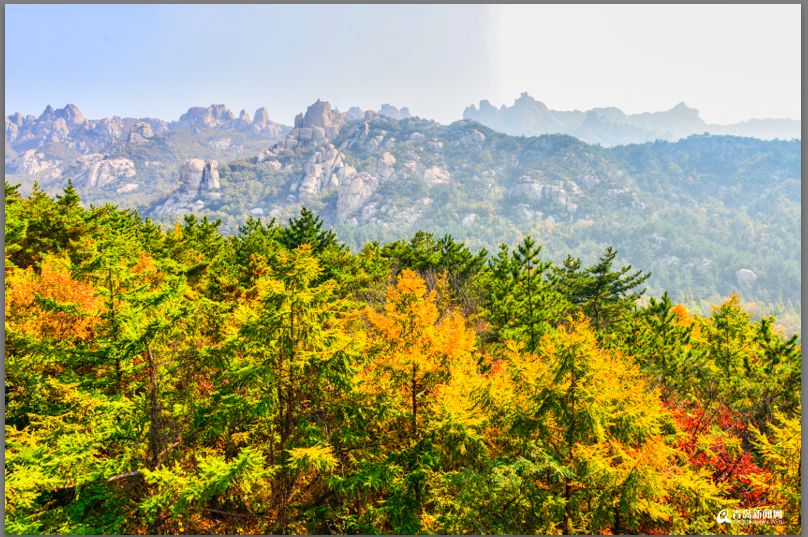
point(35, 164)
point(198, 182)
point(97, 170)
point(209, 182)
point(324, 170)
point(357, 189)
point(538, 194)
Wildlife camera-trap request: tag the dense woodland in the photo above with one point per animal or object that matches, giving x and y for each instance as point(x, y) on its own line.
point(272, 381)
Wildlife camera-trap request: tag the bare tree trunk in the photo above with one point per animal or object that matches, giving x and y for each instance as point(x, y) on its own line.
point(414, 389)
point(154, 416)
point(566, 506)
point(154, 410)
point(114, 322)
point(286, 408)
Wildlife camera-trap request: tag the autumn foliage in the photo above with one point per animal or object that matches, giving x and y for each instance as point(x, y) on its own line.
point(182, 381)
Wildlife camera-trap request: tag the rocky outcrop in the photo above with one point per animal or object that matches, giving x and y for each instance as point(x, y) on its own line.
point(262, 124)
point(391, 111)
point(199, 178)
point(363, 137)
point(745, 277)
point(108, 129)
point(140, 133)
point(270, 156)
point(14, 123)
point(71, 114)
point(355, 190)
point(320, 114)
point(209, 183)
point(435, 175)
point(60, 132)
point(126, 188)
point(98, 170)
point(214, 116)
point(320, 122)
point(355, 113)
point(625, 198)
point(325, 170)
point(47, 114)
point(471, 138)
point(261, 118)
point(532, 190)
point(34, 163)
point(199, 182)
point(219, 117)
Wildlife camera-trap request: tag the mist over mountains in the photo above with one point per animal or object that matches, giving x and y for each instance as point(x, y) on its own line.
point(706, 214)
point(611, 126)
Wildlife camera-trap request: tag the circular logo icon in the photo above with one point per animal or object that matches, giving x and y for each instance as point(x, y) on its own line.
point(722, 517)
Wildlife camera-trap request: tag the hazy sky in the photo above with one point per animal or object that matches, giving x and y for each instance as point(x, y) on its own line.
point(732, 62)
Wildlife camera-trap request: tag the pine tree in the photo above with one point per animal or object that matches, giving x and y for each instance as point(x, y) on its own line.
point(307, 229)
point(522, 304)
point(16, 223)
point(602, 293)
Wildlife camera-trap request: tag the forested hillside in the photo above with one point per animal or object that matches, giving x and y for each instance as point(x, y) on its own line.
point(706, 215)
point(179, 380)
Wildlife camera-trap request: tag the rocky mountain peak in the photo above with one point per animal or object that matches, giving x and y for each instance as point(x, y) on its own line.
point(320, 114)
point(47, 114)
point(391, 111)
point(15, 118)
point(319, 122)
point(525, 102)
point(215, 115)
point(71, 114)
point(355, 113)
point(261, 117)
point(486, 106)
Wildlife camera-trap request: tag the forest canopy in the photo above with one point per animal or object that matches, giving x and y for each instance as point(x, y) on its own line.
point(273, 381)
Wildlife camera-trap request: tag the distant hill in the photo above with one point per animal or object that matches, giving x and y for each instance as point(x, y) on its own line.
point(611, 126)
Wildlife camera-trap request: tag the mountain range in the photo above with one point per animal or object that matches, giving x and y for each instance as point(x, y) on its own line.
point(706, 214)
point(611, 126)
